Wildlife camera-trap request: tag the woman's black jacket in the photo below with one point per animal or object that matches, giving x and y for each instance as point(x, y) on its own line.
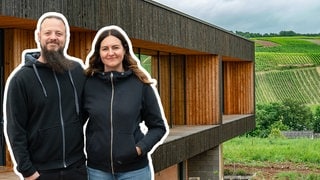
point(116, 104)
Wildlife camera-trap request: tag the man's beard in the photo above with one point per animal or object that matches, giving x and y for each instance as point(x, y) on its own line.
point(56, 60)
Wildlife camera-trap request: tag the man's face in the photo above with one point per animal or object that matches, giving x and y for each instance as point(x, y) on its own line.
point(52, 35)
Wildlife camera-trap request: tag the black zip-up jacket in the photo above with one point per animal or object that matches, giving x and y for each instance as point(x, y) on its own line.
point(43, 116)
point(117, 103)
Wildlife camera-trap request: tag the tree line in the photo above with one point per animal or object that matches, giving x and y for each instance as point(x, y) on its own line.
point(281, 33)
point(283, 116)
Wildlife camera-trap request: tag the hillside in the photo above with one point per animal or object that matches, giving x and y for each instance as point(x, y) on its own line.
point(288, 67)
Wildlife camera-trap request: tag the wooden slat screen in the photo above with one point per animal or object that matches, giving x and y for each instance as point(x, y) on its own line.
point(171, 86)
point(238, 87)
point(80, 44)
point(189, 88)
point(16, 41)
point(164, 84)
point(202, 90)
point(178, 92)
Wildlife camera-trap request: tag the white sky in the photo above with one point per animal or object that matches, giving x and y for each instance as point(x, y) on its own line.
point(255, 16)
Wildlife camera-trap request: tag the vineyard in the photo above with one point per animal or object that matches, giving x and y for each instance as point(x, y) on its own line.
point(266, 61)
point(288, 68)
point(298, 84)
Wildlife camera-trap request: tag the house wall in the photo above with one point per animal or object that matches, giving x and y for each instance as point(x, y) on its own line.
point(205, 74)
point(189, 88)
point(17, 40)
point(238, 87)
point(142, 19)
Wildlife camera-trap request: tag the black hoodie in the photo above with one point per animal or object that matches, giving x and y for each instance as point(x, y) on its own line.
point(117, 102)
point(44, 124)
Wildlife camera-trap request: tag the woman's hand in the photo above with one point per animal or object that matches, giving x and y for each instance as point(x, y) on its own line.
point(139, 152)
point(34, 176)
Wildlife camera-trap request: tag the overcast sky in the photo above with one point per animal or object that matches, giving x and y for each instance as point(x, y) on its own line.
point(255, 16)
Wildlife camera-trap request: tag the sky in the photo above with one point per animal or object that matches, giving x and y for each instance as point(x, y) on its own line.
point(254, 16)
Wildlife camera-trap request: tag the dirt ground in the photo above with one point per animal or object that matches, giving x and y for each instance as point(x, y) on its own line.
point(270, 170)
point(266, 43)
point(271, 44)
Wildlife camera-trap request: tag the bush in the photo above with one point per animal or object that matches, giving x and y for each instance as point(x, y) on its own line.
point(296, 116)
point(316, 120)
point(282, 116)
point(276, 133)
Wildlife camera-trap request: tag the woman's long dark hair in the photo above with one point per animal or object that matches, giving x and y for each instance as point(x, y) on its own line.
point(96, 64)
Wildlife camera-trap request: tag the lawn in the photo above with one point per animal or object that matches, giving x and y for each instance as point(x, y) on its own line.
point(273, 158)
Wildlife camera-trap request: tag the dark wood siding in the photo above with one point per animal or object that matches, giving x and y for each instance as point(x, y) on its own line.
point(144, 20)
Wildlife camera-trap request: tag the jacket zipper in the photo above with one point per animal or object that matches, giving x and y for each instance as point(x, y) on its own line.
point(111, 122)
point(62, 124)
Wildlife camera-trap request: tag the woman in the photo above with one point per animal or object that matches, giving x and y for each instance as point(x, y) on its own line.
point(119, 95)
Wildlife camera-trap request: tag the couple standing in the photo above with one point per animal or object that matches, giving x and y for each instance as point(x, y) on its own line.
point(50, 97)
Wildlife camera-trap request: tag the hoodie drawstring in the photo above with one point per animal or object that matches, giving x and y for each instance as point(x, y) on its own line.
point(72, 83)
point(75, 93)
point(39, 79)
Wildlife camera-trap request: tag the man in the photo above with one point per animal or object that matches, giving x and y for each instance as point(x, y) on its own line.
point(44, 125)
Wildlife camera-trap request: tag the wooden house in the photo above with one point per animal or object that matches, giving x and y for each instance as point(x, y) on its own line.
point(205, 74)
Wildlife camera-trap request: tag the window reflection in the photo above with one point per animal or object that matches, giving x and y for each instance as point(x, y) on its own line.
point(148, 57)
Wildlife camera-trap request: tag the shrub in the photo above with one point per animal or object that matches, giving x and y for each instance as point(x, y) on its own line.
point(316, 120)
point(286, 115)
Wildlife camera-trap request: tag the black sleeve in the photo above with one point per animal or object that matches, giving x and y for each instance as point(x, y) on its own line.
point(16, 117)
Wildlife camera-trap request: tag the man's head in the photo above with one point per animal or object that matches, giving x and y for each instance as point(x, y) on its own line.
point(52, 36)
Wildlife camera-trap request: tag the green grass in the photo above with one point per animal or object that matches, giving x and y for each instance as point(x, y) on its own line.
point(267, 152)
point(294, 44)
point(258, 151)
point(296, 176)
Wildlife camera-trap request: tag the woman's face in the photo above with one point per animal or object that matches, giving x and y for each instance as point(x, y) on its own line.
point(112, 53)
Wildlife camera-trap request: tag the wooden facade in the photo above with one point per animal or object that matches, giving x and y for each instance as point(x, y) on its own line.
point(205, 74)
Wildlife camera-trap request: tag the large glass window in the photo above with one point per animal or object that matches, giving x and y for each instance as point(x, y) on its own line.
point(145, 57)
point(145, 62)
point(148, 57)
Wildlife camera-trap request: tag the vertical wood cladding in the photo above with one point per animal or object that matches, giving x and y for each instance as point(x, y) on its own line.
point(178, 91)
point(189, 89)
point(170, 74)
point(238, 87)
point(80, 44)
point(16, 40)
point(202, 90)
